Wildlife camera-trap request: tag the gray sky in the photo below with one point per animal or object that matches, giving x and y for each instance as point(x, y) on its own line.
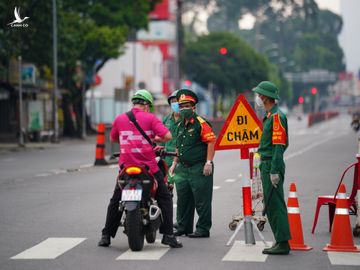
point(333, 5)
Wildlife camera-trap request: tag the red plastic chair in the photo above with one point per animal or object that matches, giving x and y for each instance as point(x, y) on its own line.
point(330, 200)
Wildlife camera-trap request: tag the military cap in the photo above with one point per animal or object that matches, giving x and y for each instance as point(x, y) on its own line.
point(267, 89)
point(186, 95)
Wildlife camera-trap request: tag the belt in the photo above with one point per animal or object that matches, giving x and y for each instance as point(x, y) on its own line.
point(188, 165)
point(265, 158)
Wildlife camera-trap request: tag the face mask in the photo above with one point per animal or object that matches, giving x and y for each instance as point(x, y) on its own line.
point(259, 101)
point(186, 113)
point(175, 107)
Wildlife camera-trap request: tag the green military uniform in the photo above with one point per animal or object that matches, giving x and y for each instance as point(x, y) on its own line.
point(273, 143)
point(194, 189)
point(170, 146)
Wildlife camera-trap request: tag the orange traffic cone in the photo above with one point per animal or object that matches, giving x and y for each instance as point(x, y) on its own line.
point(341, 235)
point(297, 238)
point(100, 146)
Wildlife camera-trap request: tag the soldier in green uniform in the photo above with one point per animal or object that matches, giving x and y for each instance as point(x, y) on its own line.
point(171, 121)
point(195, 142)
point(273, 143)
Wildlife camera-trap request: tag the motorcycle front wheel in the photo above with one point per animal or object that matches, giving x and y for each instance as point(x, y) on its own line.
point(134, 230)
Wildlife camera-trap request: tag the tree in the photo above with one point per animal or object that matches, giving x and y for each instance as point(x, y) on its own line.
point(88, 31)
point(239, 69)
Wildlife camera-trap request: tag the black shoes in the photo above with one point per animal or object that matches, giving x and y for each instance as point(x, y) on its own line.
point(280, 248)
point(180, 233)
point(171, 241)
point(199, 235)
point(104, 241)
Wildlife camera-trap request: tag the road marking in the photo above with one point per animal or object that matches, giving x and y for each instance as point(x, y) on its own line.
point(43, 174)
point(174, 205)
point(344, 258)
point(311, 146)
point(216, 187)
point(246, 253)
point(86, 166)
point(50, 248)
point(230, 180)
point(151, 252)
point(58, 171)
point(113, 166)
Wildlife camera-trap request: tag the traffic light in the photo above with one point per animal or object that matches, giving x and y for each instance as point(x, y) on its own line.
point(187, 83)
point(301, 100)
point(314, 90)
point(223, 51)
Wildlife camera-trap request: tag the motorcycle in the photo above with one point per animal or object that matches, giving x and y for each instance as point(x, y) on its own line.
point(143, 216)
point(355, 123)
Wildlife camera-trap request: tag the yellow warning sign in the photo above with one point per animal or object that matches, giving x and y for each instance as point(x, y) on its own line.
point(242, 128)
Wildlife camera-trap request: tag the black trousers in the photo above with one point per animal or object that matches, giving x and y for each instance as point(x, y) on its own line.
point(163, 198)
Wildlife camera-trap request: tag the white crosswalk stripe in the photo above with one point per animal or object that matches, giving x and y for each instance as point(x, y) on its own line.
point(344, 258)
point(54, 247)
point(151, 252)
point(246, 253)
point(50, 248)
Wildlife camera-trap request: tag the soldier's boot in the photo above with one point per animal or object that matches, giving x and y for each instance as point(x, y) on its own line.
point(281, 248)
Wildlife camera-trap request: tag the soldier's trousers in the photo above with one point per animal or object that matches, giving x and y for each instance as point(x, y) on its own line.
point(194, 191)
point(277, 210)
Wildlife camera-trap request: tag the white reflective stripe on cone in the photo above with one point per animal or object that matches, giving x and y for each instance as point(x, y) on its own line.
point(341, 196)
point(341, 211)
point(292, 195)
point(293, 210)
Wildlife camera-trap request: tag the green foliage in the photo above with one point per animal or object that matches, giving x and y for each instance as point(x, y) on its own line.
point(317, 50)
point(240, 69)
point(87, 31)
point(289, 31)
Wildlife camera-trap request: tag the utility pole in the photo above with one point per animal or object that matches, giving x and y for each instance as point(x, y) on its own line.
point(21, 133)
point(178, 43)
point(55, 92)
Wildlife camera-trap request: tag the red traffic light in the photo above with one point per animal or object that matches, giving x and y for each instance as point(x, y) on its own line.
point(314, 90)
point(301, 100)
point(187, 83)
point(223, 50)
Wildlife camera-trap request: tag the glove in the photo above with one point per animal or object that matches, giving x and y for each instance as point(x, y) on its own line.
point(275, 178)
point(207, 169)
point(172, 169)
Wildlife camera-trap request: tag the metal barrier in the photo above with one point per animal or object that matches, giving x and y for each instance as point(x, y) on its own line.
point(110, 147)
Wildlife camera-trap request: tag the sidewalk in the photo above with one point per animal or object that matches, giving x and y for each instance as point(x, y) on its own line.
point(30, 146)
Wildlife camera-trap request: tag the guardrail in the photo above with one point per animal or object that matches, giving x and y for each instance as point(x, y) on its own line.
point(314, 118)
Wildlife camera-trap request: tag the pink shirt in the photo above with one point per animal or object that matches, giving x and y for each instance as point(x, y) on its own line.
point(134, 148)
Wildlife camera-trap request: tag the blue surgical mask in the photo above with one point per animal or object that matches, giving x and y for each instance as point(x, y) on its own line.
point(175, 107)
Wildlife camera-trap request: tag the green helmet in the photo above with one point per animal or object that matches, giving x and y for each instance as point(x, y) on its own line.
point(143, 95)
point(267, 89)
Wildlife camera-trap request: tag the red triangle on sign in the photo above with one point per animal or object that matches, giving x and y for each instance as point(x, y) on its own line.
point(242, 128)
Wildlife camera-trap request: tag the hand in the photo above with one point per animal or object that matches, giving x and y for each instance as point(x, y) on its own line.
point(157, 139)
point(207, 169)
point(159, 148)
point(172, 169)
point(275, 178)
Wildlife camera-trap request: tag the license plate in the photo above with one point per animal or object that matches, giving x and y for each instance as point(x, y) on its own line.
point(131, 195)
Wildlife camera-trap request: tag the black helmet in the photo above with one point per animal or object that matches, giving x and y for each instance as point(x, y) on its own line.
point(173, 95)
